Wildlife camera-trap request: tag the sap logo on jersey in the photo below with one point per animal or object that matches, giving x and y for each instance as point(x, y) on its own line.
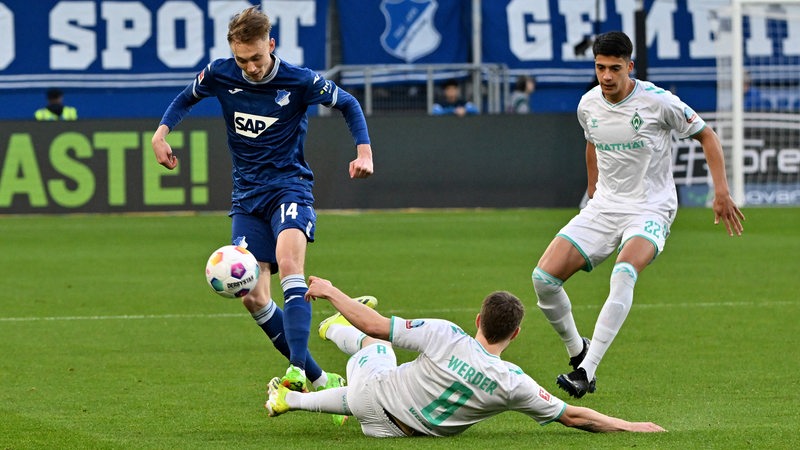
point(250, 125)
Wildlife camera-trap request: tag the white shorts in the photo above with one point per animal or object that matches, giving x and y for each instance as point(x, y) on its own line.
point(597, 234)
point(364, 371)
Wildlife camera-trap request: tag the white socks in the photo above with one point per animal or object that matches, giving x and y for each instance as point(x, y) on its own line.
point(555, 304)
point(612, 316)
point(347, 337)
point(331, 401)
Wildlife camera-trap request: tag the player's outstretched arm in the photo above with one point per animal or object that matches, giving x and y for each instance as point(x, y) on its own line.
point(724, 207)
point(590, 420)
point(162, 149)
point(360, 316)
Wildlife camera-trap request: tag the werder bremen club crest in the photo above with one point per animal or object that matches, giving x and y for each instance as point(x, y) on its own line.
point(636, 121)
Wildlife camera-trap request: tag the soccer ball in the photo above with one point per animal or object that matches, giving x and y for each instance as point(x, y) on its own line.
point(232, 271)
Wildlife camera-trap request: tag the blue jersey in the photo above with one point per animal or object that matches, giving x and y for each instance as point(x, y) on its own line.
point(267, 121)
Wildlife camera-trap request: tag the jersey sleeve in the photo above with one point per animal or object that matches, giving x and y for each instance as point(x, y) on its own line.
point(534, 401)
point(422, 335)
point(327, 93)
point(582, 116)
point(681, 117)
point(197, 90)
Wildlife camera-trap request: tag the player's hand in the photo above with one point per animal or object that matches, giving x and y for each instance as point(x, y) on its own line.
point(164, 155)
point(361, 167)
point(646, 427)
point(162, 149)
point(318, 288)
point(727, 211)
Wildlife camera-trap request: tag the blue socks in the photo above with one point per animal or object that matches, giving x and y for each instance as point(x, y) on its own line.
point(296, 318)
point(270, 319)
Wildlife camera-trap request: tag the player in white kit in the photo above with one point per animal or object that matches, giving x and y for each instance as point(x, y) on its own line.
point(455, 382)
point(627, 124)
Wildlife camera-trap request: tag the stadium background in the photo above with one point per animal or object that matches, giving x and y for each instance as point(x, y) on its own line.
point(121, 63)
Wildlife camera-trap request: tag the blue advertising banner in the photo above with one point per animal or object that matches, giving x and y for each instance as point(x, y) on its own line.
point(551, 40)
point(404, 31)
point(144, 43)
point(136, 48)
point(129, 58)
point(552, 36)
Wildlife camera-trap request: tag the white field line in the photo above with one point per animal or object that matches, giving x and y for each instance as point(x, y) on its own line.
point(427, 312)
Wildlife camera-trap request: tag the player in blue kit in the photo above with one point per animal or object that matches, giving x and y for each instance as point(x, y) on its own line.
point(264, 102)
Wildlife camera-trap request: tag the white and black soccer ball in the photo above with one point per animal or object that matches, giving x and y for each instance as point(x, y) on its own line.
point(232, 271)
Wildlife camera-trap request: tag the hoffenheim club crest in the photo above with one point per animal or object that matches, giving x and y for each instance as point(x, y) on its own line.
point(410, 32)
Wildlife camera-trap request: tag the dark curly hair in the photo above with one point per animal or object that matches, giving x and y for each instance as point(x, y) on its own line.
point(613, 43)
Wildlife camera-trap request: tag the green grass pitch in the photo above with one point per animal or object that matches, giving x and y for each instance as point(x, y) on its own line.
point(109, 337)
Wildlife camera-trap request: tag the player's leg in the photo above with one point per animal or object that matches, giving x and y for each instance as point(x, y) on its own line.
point(335, 401)
point(280, 400)
point(292, 222)
point(559, 262)
point(586, 241)
point(258, 236)
point(338, 329)
point(638, 250)
point(255, 233)
point(357, 399)
point(290, 252)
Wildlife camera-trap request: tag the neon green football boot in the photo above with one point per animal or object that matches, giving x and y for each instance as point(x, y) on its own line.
point(295, 379)
point(276, 399)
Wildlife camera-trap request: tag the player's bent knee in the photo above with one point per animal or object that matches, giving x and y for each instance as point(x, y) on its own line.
point(544, 283)
point(255, 301)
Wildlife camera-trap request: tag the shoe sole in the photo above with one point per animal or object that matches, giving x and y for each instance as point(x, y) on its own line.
point(569, 386)
point(565, 384)
point(273, 385)
point(368, 300)
point(294, 385)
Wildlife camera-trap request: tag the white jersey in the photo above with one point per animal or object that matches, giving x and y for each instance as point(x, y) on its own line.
point(455, 382)
point(633, 144)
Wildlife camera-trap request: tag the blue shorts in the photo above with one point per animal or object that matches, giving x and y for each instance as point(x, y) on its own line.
point(281, 210)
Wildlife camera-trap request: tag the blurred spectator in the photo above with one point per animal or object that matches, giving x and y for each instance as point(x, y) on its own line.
point(452, 103)
point(520, 101)
point(55, 109)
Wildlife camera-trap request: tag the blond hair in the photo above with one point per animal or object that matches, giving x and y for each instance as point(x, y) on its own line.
point(248, 26)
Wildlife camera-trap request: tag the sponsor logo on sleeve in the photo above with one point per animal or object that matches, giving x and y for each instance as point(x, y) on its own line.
point(414, 323)
point(689, 114)
point(544, 394)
